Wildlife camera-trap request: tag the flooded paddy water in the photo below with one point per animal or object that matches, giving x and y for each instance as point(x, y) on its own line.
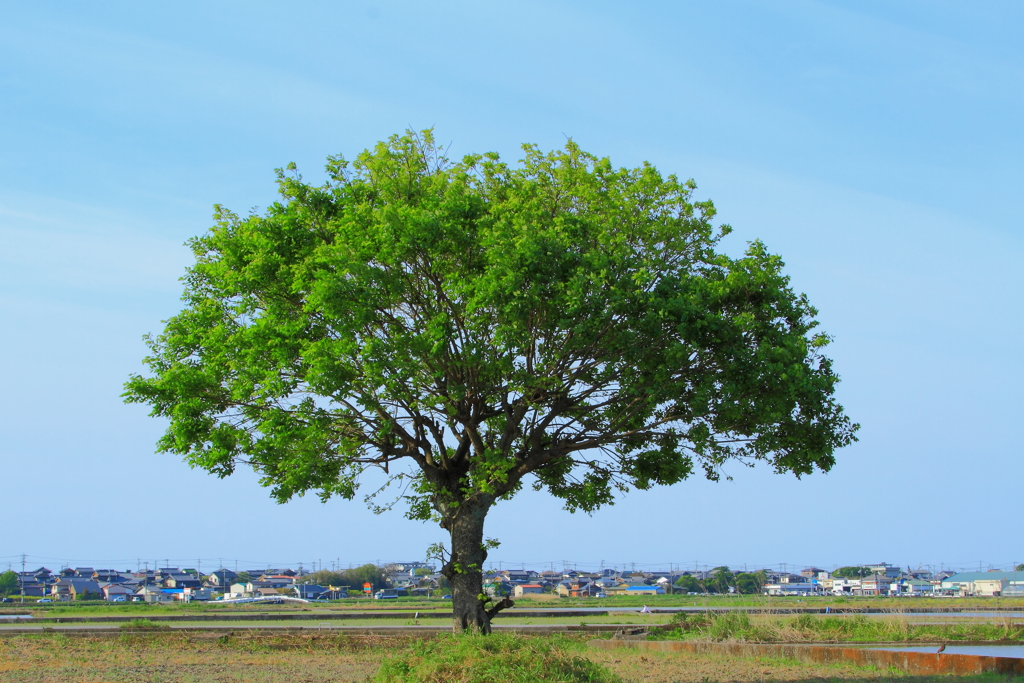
point(983, 650)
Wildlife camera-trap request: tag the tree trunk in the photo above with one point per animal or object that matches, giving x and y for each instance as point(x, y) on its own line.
point(465, 569)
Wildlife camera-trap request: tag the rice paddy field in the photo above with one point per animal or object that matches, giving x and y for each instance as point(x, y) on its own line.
point(253, 657)
point(371, 641)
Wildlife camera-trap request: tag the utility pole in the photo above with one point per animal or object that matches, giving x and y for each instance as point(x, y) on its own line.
point(21, 577)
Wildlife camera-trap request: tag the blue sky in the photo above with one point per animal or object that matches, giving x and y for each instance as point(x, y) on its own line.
point(875, 145)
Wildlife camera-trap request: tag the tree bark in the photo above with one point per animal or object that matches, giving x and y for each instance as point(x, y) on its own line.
point(465, 568)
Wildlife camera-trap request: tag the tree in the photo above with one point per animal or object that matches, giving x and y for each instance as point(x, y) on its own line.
point(469, 327)
point(689, 584)
point(367, 573)
point(1019, 568)
point(749, 583)
point(721, 579)
point(323, 577)
point(851, 572)
point(8, 583)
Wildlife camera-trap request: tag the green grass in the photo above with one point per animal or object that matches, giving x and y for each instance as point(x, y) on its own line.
point(143, 625)
point(833, 629)
point(497, 657)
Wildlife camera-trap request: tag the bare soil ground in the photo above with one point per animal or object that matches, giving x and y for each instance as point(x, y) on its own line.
point(256, 658)
point(683, 667)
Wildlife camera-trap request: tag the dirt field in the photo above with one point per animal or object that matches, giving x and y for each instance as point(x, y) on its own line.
point(249, 658)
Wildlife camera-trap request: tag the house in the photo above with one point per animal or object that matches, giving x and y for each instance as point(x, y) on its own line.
point(910, 587)
point(527, 589)
point(279, 580)
point(181, 580)
point(644, 590)
point(308, 591)
point(497, 586)
point(152, 593)
point(843, 586)
point(74, 588)
point(222, 578)
point(578, 588)
point(885, 569)
point(198, 594)
point(789, 588)
point(519, 575)
point(116, 592)
point(876, 584)
point(402, 579)
point(290, 573)
point(164, 571)
point(237, 590)
point(992, 583)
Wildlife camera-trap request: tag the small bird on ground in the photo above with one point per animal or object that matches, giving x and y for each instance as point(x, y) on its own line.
point(940, 650)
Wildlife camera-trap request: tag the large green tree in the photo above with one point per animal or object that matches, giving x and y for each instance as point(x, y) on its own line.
point(851, 572)
point(469, 327)
point(748, 583)
point(8, 582)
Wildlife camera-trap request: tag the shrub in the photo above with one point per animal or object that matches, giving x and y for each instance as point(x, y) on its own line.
point(727, 625)
point(689, 621)
point(143, 625)
point(497, 657)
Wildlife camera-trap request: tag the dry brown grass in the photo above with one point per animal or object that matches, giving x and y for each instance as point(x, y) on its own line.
point(687, 667)
point(175, 658)
point(536, 597)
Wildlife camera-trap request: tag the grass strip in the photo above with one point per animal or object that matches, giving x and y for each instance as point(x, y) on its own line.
point(739, 626)
point(498, 657)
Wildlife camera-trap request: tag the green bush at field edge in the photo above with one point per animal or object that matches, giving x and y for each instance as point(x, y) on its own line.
point(502, 657)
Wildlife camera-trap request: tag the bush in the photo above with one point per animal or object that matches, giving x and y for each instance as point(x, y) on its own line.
point(497, 657)
point(689, 621)
point(143, 625)
point(728, 625)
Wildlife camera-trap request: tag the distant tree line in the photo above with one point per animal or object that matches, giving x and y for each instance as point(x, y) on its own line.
point(354, 578)
point(852, 572)
point(721, 579)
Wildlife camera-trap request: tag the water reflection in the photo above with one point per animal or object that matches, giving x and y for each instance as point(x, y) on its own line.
point(1016, 651)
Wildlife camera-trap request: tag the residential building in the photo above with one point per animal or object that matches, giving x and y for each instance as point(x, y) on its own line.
point(993, 583)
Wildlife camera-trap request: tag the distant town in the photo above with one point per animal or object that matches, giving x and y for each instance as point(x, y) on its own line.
point(421, 579)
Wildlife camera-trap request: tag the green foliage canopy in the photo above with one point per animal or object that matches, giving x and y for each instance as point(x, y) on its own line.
point(564, 318)
point(749, 583)
point(690, 584)
point(323, 577)
point(851, 572)
point(354, 578)
point(8, 582)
